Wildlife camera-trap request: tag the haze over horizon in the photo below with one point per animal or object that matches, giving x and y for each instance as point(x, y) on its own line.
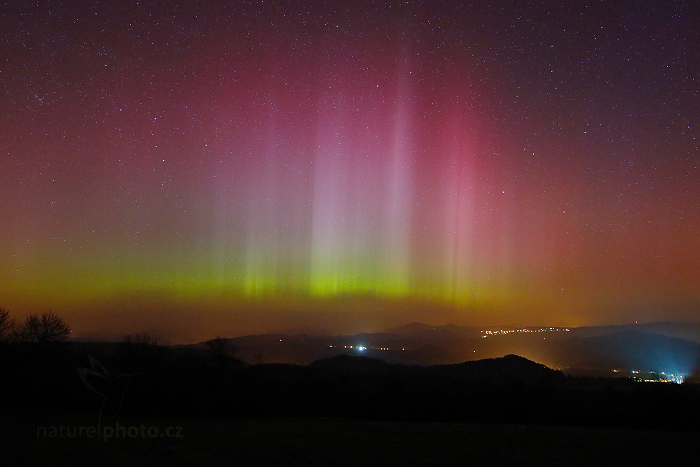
point(246, 167)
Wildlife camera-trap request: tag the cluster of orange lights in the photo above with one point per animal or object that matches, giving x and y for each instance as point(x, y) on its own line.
point(503, 332)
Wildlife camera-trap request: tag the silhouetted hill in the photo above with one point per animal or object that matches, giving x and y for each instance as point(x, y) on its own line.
point(503, 370)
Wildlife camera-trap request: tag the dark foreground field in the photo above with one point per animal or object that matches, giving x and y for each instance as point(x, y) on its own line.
point(342, 442)
point(158, 406)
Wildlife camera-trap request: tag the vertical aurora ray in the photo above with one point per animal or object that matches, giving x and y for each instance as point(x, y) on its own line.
point(342, 220)
point(458, 243)
point(327, 230)
point(397, 233)
point(262, 253)
point(361, 214)
point(278, 215)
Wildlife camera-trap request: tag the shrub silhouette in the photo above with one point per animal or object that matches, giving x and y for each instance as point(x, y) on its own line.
point(144, 339)
point(142, 351)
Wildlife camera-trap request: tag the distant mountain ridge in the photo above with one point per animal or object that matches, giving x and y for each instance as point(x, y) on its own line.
point(637, 350)
point(686, 331)
point(649, 347)
point(415, 328)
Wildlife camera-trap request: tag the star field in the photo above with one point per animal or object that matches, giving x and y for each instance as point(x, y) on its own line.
point(521, 161)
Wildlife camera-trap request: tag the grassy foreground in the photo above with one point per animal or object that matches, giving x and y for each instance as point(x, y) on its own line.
point(330, 441)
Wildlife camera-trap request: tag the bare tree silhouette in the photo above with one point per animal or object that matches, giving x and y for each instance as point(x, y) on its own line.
point(49, 327)
point(7, 324)
point(222, 350)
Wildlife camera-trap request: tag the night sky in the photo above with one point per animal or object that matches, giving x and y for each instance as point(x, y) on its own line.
point(197, 168)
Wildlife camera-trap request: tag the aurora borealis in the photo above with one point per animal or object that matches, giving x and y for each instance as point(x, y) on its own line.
point(229, 165)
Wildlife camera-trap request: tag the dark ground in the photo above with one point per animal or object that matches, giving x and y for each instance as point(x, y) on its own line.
point(343, 442)
point(207, 408)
